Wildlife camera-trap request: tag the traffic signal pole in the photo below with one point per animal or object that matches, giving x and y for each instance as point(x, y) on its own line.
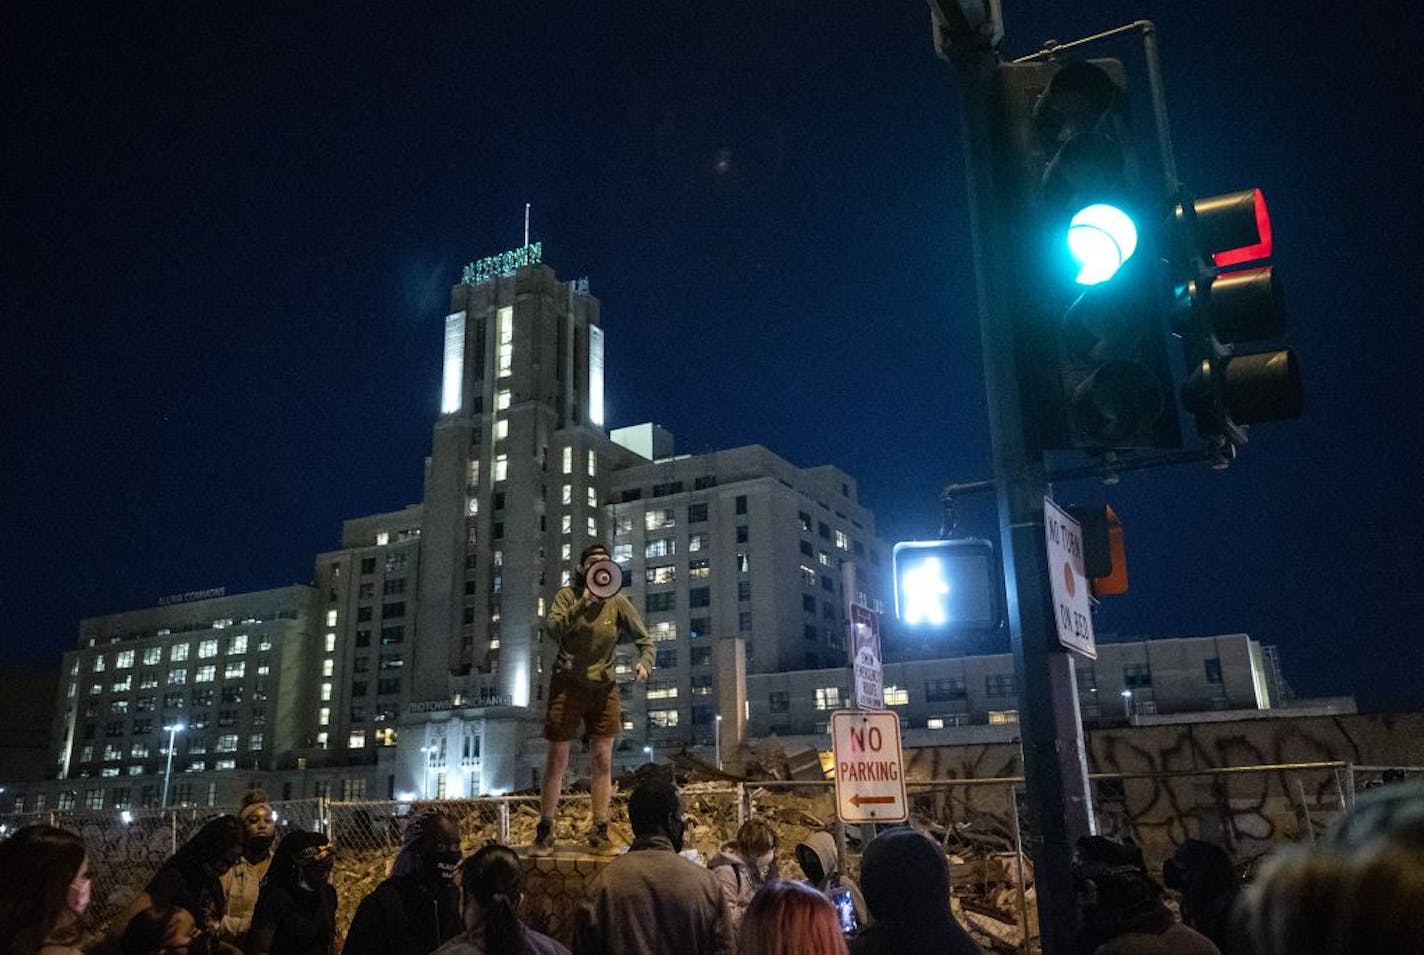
point(1055, 771)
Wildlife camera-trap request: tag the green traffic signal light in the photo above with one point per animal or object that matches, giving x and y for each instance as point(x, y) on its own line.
point(1101, 238)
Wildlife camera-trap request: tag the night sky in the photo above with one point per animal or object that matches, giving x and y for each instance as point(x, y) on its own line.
point(229, 236)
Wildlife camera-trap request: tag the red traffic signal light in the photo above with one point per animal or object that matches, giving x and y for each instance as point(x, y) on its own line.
point(1220, 308)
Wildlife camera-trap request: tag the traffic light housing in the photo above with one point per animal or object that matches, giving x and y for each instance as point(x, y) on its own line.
point(947, 585)
point(1093, 350)
point(1226, 294)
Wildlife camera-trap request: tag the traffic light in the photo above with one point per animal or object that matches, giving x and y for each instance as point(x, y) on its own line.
point(1227, 294)
point(1090, 295)
point(946, 584)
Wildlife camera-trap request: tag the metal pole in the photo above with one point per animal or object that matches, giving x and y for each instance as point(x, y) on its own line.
point(1018, 855)
point(717, 738)
point(168, 770)
point(1055, 764)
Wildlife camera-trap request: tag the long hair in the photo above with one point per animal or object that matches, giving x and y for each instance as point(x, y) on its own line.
point(284, 875)
point(493, 878)
point(185, 878)
point(39, 863)
point(788, 918)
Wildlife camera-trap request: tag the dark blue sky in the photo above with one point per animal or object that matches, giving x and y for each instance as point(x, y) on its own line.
point(229, 236)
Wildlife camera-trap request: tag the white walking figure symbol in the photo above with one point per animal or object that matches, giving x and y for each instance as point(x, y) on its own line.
point(925, 592)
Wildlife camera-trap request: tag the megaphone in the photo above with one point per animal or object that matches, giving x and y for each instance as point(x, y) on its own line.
point(603, 579)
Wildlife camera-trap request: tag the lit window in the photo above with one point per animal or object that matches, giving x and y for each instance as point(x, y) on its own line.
point(698, 568)
point(664, 631)
point(99, 664)
point(323, 716)
point(331, 643)
point(357, 740)
point(622, 553)
point(666, 574)
point(237, 645)
point(178, 652)
point(665, 690)
point(207, 648)
point(568, 460)
point(592, 527)
point(566, 552)
point(177, 676)
point(1000, 717)
point(592, 496)
point(828, 697)
point(501, 467)
point(331, 618)
point(501, 429)
point(566, 494)
point(504, 339)
point(124, 660)
point(328, 666)
point(660, 547)
point(696, 542)
point(321, 739)
point(206, 674)
point(659, 517)
point(235, 671)
point(226, 744)
point(897, 696)
point(124, 685)
point(254, 741)
point(565, 578)
point(662, 719)
point(842, 541)
point(501, 400)
point(566, 524)
point(326, 692)
point(152, 655)
point(382, 539)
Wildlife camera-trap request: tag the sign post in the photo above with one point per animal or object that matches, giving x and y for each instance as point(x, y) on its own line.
point(870, 781)
point(1072, 608)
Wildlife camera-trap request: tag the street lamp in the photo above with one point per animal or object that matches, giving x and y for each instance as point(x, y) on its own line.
point(172, 729)
point(1127, 704)
point(648, 752)
point(718, 739)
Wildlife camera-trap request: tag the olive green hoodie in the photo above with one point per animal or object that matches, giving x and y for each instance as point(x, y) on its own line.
point(586, 638)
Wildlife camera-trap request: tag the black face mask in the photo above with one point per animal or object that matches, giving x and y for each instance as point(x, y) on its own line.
point(1174, 874)
point(444, 864)
point(260, 844)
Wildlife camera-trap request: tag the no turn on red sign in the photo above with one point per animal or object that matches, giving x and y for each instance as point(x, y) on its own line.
point(1072, 608)
point(870, 781)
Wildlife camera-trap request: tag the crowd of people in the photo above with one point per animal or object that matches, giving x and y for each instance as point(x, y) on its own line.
point(233, 889)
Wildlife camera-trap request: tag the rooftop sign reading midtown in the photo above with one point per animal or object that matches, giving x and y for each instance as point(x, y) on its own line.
point(493, 266)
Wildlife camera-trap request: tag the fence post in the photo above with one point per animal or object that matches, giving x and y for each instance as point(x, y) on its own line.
point(173, 831)
point(1305, 810)
point(742, 808)
point(330, 824)
point(1018, 853)
point(504, 820)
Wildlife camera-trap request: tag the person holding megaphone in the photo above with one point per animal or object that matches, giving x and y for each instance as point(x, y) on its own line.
point(585, 622)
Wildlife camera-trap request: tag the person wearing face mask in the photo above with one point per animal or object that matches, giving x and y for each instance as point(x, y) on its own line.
point(651, 900)
point(296, 910)
point(46, 891)
point(241, 883)
point(744, 865)
point(191, 880)
point(414, 911)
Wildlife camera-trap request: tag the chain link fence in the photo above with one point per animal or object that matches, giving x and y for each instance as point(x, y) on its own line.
point(981, 823)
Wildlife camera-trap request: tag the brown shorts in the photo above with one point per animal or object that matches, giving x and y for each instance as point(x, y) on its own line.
point(573, 701)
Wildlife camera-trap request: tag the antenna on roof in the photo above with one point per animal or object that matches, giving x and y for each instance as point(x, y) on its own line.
point(526, 223)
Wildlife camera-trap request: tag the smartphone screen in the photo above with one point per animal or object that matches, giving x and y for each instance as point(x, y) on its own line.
point(845, 911)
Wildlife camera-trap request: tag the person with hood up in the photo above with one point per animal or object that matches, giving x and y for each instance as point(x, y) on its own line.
point(818, 860)
point(296, 911)
point(1120, 906)
point(905, 876)
point(243, 881)
point(415, 911)
point(744, 865)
